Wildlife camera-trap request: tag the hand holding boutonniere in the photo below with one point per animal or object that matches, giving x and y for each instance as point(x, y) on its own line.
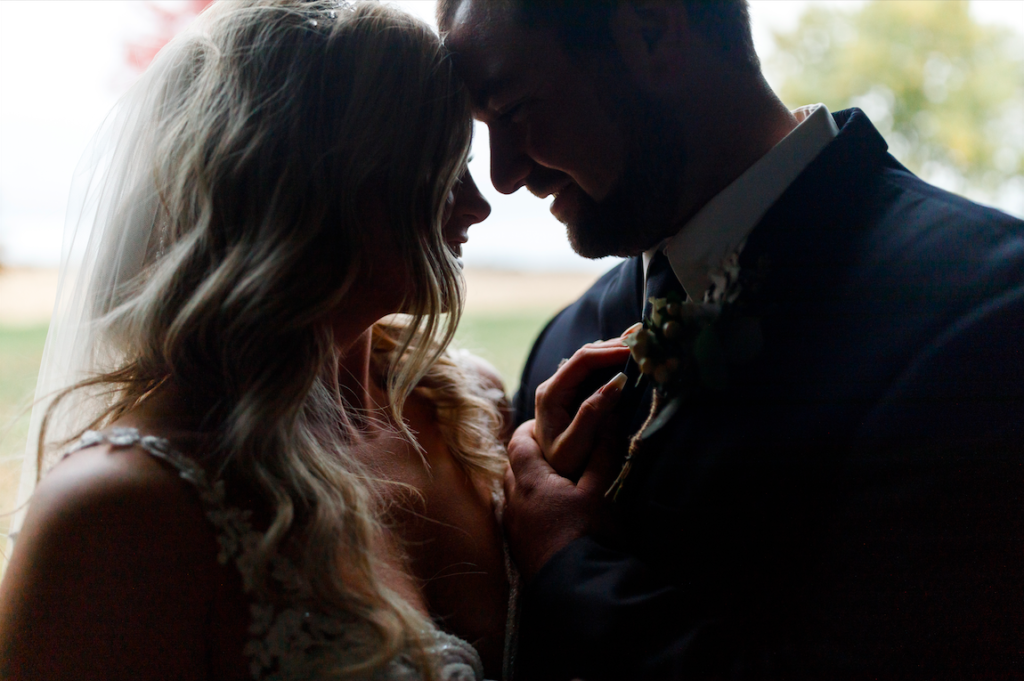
point(688, 350)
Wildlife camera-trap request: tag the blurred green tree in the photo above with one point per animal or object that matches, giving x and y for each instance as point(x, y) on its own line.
point(945, 91)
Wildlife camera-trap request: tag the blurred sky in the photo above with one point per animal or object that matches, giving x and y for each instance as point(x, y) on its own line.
point(62, 66)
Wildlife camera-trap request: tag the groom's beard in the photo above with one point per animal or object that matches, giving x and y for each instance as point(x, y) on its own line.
point(641, 208)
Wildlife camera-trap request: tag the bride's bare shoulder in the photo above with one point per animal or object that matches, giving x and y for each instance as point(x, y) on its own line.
point(105, 508)
point(96, 486)
point(114, 548)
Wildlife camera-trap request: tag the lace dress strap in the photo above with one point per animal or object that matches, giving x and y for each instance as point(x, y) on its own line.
point(291, 640)
point(232, 525)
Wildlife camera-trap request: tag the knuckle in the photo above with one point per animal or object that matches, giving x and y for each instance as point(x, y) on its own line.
point(524, 431)
point(517, 449)
point(522, 448)
point(518, 458)
point(589, 409)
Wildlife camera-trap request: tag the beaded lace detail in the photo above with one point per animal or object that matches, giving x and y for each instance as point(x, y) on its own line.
point(289, 641)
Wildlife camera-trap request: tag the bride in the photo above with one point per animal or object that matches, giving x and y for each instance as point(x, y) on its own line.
point(276, 475)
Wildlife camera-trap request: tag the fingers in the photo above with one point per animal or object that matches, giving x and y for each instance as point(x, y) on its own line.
point(603, 465)
point(591, 357)
point(543, 512)
point(571, 450)
point(557, 397)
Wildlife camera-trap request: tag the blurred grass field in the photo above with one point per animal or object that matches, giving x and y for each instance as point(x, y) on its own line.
point(21, 349)
point(503, 339)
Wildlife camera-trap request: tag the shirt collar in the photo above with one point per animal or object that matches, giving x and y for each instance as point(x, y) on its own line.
point(723, 223)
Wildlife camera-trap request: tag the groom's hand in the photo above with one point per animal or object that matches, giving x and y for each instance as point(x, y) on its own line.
point(545, 512)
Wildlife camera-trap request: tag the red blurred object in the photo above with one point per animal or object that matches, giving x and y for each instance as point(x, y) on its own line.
point(170, 19)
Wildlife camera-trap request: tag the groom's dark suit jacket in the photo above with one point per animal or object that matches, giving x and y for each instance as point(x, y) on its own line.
point(853, 505)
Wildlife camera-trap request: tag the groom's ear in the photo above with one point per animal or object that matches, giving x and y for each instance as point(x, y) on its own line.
point(655, 42)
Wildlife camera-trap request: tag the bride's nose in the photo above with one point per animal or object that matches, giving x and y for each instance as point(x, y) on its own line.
point(470, 206)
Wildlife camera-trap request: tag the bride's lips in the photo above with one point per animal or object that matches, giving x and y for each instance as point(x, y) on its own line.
point(455, 242)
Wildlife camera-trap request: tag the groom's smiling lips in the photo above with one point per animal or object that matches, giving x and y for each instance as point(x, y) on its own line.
point(564, 197)
point(559, 186)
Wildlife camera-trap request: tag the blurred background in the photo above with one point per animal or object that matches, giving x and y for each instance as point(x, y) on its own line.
point(942, 80)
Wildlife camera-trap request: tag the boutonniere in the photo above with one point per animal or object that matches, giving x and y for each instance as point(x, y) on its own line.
point(688, 350)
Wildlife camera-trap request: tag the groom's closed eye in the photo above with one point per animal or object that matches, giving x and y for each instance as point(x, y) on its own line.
point(515, 112)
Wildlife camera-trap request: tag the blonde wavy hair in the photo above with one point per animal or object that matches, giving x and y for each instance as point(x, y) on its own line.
point(274, 124)
point(467, 404)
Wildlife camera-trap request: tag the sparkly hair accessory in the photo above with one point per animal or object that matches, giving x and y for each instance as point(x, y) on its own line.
point(330, 14)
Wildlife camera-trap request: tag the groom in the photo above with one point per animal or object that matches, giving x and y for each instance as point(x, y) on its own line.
point(843, 498)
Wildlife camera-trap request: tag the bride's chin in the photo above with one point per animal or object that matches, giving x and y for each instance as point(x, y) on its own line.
point(456, 248)
point(456, 251)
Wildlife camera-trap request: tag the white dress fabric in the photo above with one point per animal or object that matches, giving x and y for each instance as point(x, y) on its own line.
point(289, 642)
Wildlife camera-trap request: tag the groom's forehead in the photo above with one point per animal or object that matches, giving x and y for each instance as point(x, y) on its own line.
point(477, 17)
point(493, 49)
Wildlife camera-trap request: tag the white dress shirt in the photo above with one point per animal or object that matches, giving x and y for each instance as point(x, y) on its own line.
point(725, 221)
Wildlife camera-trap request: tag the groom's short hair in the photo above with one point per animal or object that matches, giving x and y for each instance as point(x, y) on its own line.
point(586, 24)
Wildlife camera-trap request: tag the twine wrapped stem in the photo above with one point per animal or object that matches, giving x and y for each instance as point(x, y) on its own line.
point(634, 448)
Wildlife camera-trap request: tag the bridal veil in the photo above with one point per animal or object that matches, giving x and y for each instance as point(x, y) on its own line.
point(112, 231)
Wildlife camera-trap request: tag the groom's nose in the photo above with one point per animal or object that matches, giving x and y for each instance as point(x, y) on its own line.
point(510, 165)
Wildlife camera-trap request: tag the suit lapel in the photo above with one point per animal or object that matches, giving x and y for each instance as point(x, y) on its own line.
point(796, 226)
